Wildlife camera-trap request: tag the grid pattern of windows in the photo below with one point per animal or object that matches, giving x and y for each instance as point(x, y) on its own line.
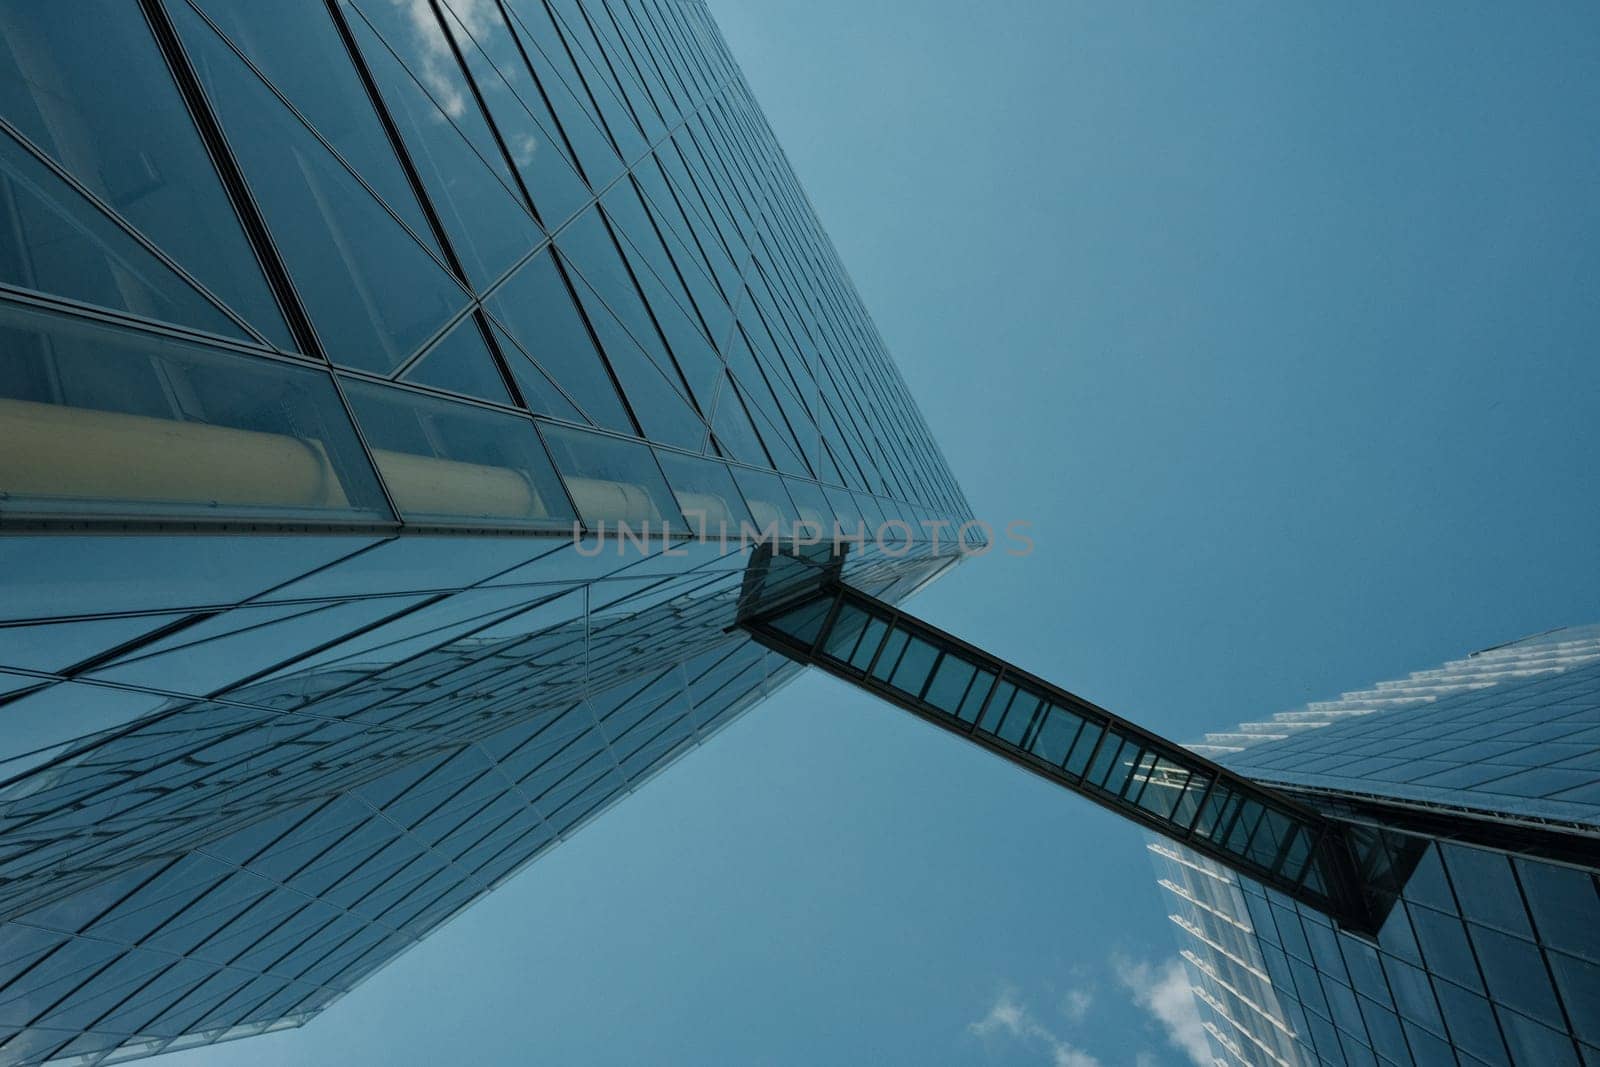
point(356, 312)
point(1488, 958)
point(1515, 730)
point(368, 261)
point(217, 816)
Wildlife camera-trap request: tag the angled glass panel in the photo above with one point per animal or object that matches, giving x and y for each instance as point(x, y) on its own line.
point(694, 356)
point(911, 673)
point(62, 244)
point(812, 505)
point(209, 665)
point(540, 393)
point(622, 60)
point(847, 633)
point(374, 293)
point(1054, 736)
point(516, 104)
point(588, 243)
point(600, 78)
point(612, 479)
point(663, 205)
point(564, 89)
point(734, 433)
point(104, 106)
point(627, 212)
point(768, 499)
point(99, 418)
point(625, 26)
point(467, 178)
point(442, 460)
point(706, 493)
point(297, 48)
point(461, 363)
point(536, 308)
point(54, 646)
point(654, 392)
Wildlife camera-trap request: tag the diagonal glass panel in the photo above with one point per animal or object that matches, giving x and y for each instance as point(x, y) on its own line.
point(565, 91)
point(442, 460)
point(735, 434)
point(62, 244)
point(588, 243)
point(467, 177)
point(768, 499)
point(653, 393)
point(517, 105)
point(626, 26)
point(461, 363)
point(374, 294)
point(600, 79)
point(104, 106)
point(662, 203)
point(615, 52)
point(297, 48)
point(540, 393)
point(536, 308)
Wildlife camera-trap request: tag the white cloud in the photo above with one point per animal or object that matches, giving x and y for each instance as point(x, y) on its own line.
point(1164, 992)
point(1009, 1017)
point(1076, 1002)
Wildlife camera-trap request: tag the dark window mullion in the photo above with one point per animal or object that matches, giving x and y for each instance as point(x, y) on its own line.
point(257, 233)
point(483, 109)
point(414, 179)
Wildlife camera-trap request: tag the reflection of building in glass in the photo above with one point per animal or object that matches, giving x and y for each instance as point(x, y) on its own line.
point(1493, 954)
point(321, 325)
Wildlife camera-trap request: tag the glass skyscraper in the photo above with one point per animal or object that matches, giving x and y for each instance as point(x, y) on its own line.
point(1492, 955)
point(326, 328)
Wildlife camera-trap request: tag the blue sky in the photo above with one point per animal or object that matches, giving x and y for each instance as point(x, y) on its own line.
point(1280, 325)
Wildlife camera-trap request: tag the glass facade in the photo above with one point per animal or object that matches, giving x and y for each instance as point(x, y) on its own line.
point(338, 338)
point(1492, 956)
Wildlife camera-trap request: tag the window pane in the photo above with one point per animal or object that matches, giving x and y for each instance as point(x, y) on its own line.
point(847, 629)
point(706, 493)
point(535, 307)
point(297, 48)
point(1104, 759)
point(1078, 759)
point(518, 110)
point(374, 294)
point(104, 106)
point(1056, 735)
point(889, 658)
point(466, 175)
point(914, 666)
point(1161, 792)
point(66, 246)
point(442, 460)
point(950, 683)
point(1122, 767)
point(461, 363)
point(94, 416)
point(612, 479)
point(1018, 717)
point(769, 501)
point(871, 638)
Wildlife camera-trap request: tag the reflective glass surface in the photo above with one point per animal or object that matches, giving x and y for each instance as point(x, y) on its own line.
point(1489, 957)
point(299, 662)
